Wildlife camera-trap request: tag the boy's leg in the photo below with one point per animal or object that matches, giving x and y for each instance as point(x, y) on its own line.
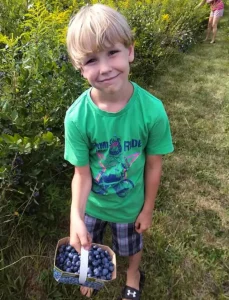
point(127, 242)
point(209, 29)
point(133, 274)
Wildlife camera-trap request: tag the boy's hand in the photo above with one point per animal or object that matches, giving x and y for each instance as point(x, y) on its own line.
point(143, 222)
point(79, 236)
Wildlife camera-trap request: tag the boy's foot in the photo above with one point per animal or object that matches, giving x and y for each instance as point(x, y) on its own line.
point(205, 40)
point(88, 292)
point(212, 42)
point(134, 285)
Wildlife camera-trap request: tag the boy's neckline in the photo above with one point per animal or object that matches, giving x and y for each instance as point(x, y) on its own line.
point(116, 108)
point(123, 108)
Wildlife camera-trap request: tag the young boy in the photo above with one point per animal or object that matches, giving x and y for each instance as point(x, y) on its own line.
point(115, 136)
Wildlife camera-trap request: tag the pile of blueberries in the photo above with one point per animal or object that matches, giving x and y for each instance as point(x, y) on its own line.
point(99, 261)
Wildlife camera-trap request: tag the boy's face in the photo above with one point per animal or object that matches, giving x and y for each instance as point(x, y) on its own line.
point(108, 70)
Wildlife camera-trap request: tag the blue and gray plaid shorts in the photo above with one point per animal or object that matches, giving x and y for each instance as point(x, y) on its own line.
point(126, 241)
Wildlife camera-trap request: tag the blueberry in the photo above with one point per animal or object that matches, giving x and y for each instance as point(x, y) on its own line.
point(66, 254)
point(105, 272)
point(69, 248)
point(102, 255)
point(75, 258)
point(106, 265)
point(95, 247)
point(95, 263)
point(100, 268)
point(90, 257)
point(109, 276)
point(97, 256)
point(68, 270)
point(69, 264)
point(75, 269)
point(61, 260)
point(78, 263)
point(99, 261)
point(106, 253)
point(97, 272)
point(111, 268)
point(103, 277)
point(105, 260)
point(96, 252)
point(70, 255)
point(36, 194)
point(100, 250)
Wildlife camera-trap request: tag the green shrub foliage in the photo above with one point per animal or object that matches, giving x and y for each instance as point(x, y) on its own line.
point(38, 84)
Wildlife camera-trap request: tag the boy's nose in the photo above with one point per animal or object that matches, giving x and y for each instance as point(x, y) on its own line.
point(104, 67)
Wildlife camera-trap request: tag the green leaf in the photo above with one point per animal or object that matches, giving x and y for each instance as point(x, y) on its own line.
point(14, 115)
point(8, 138)
point(48, 137)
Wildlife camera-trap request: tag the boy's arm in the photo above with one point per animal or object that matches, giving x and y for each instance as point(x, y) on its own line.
point(153, 168)
point(81, 187)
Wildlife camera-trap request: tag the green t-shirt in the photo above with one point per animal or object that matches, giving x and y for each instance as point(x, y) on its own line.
point(115, 146)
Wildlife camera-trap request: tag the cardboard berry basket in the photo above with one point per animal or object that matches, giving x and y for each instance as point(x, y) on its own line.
point(81, 278)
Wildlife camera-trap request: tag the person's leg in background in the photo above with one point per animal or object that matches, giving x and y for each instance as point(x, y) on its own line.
point(209, 29)
point(218, 14)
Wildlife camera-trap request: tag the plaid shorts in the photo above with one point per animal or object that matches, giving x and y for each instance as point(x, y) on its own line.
point(126, 241)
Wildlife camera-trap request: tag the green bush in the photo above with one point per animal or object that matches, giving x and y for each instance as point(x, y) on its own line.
point(38, 84)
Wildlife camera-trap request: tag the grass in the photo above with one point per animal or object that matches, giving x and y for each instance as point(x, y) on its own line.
point(186, 253)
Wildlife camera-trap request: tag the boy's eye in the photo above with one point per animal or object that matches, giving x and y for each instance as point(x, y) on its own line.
point(112, 52)
point(90, 61)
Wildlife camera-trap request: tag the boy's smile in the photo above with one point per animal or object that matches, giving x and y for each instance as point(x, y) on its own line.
point(108, 70)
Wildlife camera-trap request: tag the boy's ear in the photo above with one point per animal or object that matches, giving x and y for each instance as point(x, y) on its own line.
point(131, 53)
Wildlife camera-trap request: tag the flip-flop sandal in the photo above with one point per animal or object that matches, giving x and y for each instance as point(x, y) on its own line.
point(142, 280)
point(131, 293)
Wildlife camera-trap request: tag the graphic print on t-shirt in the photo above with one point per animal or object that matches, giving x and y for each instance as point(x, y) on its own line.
point(114, 165)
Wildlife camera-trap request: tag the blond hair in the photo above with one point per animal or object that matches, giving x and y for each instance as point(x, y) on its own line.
point(94, 28)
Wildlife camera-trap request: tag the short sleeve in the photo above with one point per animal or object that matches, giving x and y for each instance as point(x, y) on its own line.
point(76, 148)
point(160, 139)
